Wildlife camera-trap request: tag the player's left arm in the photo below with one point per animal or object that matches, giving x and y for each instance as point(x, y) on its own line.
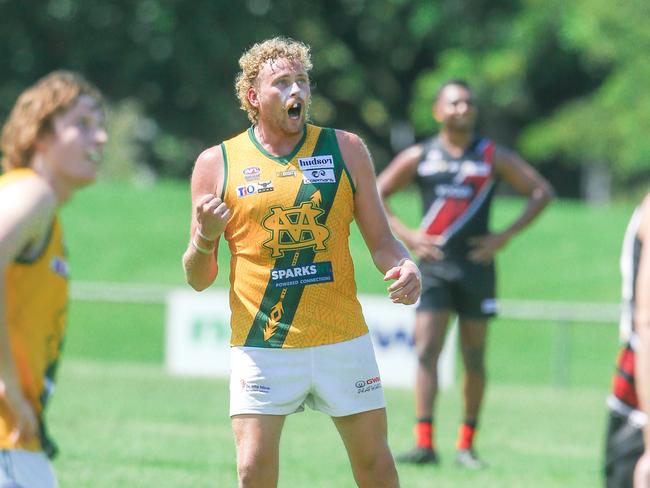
point(510, 167)
point(389, 255)
point(642, 327)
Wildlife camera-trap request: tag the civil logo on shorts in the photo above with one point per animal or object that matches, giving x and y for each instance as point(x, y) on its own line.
point(368, 384)
point(295, 228)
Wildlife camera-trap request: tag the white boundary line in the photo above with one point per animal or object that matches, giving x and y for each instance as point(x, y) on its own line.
point(554, 311)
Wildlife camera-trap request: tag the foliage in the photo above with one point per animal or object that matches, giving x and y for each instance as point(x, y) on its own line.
point(566, 75)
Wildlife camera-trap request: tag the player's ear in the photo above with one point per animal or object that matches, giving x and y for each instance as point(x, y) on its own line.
point(252, 97)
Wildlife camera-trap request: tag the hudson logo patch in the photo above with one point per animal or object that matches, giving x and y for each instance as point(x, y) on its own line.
point(302, 275)
point(316, 162)
point(295, 228)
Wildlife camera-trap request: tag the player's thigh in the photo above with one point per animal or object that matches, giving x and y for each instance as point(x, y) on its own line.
point(623, 448)
point(24, 469)
point(268, 381)
point(346, 378)
point(257, 437)
point(365, 436)
point(430, 330)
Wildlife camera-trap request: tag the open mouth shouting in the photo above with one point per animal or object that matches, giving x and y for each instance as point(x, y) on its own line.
point(295, 110)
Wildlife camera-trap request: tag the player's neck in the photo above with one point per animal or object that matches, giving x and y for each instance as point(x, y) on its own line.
point(456, 141)
point(62, 191)
point(276, 141)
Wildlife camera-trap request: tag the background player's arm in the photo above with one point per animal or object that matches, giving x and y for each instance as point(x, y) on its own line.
point(388, 254)
point(526, 181)
point(209, 218)
point(28, 208)
point(642, 326)
point(395, 177)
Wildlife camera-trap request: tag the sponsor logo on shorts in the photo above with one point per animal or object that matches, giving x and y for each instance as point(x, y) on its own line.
point(251, 173)
point(60, 267)
point(370, 384)
point(302, 275)
point(489, 305)
point(253, 387)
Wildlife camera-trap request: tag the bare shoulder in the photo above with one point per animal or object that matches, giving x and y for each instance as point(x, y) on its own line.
point(208, 173)
point(30, 197)
point(28, 207)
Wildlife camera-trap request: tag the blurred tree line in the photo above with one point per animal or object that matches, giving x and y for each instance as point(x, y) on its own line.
point(563, 82)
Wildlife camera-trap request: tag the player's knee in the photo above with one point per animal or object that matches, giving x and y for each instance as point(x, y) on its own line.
point(377, 472)
point(428, 352)
point(474, 360)
point(255, 474)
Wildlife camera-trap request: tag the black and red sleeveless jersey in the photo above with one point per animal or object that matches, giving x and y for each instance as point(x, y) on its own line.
point(456, 192)
point(623, 398)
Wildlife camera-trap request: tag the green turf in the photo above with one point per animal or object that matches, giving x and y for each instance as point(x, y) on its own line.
point(131, 425)
point(121, 421)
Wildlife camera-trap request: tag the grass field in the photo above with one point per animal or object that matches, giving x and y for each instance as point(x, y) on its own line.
point(121, 421)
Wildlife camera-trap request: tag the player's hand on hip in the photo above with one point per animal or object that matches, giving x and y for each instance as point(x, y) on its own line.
point(426, 247)
point(642, 471)
point(408, 284)
point(212, 215)
point(485, 247)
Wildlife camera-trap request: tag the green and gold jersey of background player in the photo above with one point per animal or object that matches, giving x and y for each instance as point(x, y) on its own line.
point(36, 297)
point(291, 274)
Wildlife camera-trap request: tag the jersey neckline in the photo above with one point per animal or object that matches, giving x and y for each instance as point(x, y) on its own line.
point(284, 160)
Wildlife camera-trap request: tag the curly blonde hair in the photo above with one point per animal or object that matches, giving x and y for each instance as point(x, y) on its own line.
point(34, 111)
point(253, 59)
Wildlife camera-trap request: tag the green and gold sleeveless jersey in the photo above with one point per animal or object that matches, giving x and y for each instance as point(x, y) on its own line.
point(291, 274)
point(36, 295)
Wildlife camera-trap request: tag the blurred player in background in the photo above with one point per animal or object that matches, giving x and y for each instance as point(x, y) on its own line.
point(456, 173)
point(51, 145)
point(629, 401)
point(283, 194)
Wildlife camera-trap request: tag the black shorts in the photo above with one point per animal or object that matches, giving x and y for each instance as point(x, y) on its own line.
point(623, 448)
point(460, 285)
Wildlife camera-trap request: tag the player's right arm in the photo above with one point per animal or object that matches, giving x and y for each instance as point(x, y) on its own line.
point(396, 176)
point(27, 210)
point(209, 218)
point(642, 326)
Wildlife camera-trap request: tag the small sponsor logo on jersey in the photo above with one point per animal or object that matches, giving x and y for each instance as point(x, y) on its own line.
point(60, 267)
point(370, 384)
point(458, 192)
point(245, 190)
point(475, 168)
point(251, 173)
point(284, 174)
point(310, 274)
point(253, 387)
point(319, 176)
point(264, 186)
point(316, 162)
point(432, 166)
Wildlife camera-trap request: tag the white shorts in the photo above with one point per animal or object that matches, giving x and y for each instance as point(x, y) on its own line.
point(26, 469)
point(337, 379)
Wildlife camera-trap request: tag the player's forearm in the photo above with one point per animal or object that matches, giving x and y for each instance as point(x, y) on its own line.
point(389, 254)
point(201, 269)
point(537, 201)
